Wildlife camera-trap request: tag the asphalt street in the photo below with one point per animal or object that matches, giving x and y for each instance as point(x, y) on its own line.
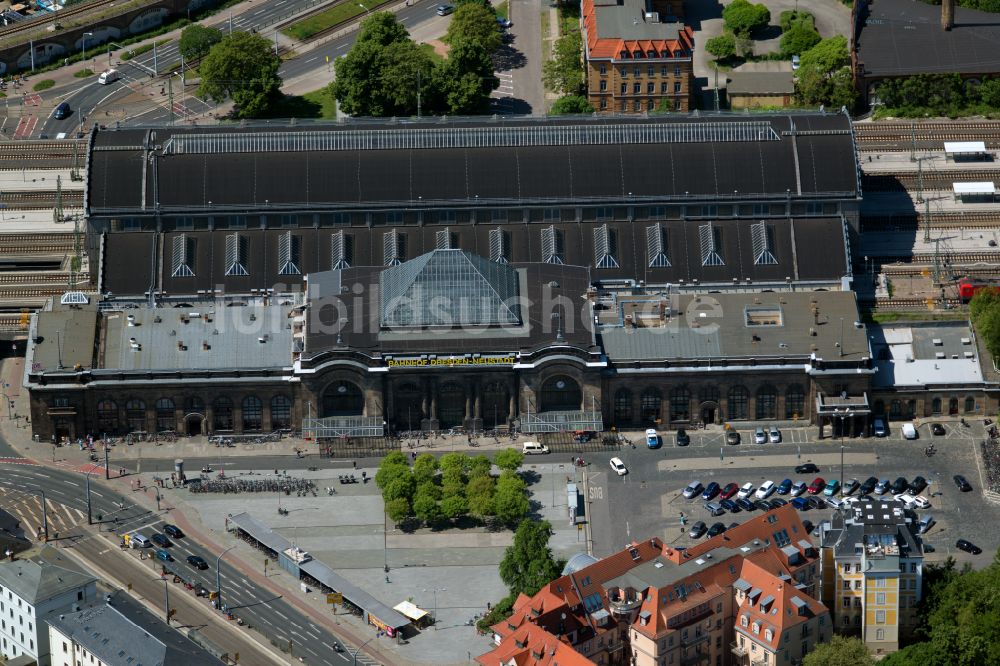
point(257, 606)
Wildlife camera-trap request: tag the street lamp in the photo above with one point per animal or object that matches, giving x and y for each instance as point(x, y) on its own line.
point(358, 649)
point(85, 43)
point(218, 575)
point(435, 591)
point(365, 8)
point(166, 597)
point(90, 520)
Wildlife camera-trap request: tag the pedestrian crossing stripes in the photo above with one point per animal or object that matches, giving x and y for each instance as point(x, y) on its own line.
point(19, 461)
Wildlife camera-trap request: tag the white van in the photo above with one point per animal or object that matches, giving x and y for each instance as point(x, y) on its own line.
point(909, 432)
point(140, 541)
point(529, 448)
point(109, 76)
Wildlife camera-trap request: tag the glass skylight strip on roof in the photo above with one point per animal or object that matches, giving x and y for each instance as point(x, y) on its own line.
point(503, 136)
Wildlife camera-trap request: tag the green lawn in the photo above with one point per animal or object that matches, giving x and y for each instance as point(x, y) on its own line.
point(429, 50)
point(503, 9)
point(317, 23)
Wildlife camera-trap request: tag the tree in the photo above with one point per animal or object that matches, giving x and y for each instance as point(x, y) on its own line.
point(425, 468)
point(402, 486)
point(375, 79)
point(840, 651)
point(790, 18)
point(989, 92)
point(398, 509)
point(742, 17)
point(479, 494)
point(479, 466)
point(382, 28)
point(430, 489)
point(564, 72)
point(824, 76)
point(510, 501)
point(527, 563)
point(454, 507)
point(465, 80)
point(391, 467)
point(568, 104)
point(799, 39)
point(454, 461)
point(197, 40)
point(242, 67)
point(476, 22)
point(508, 459)
point(723, 46)
point(828, 55)
point(426, 508)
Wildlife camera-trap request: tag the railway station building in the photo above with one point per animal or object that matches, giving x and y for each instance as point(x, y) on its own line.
point(359, 279)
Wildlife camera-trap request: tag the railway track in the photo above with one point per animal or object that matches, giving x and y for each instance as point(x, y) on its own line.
point(949, 258)
point(64, 16)
point(899, 136)
point(40, 279)
point(20, 250)
point(12, 323)
point(912, 303)
point(910, 182)
point(30, 292)
point(41, 199)
point(940, 220)
point(907, 270)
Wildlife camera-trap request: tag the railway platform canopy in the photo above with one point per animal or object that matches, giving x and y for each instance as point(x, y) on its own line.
point(970, 192)
point(967, 151)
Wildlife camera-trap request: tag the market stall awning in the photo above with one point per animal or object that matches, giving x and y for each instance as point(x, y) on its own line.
point(410, 610)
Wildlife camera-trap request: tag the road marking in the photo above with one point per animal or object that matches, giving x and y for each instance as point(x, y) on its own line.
point(311, 59)
point(281, 615)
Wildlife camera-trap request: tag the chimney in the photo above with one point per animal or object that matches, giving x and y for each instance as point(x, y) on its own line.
point(947, 14)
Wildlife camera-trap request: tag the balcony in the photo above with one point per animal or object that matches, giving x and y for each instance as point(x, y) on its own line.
point(624, 601)
point(697, 658)
point(738, 650)
point(694, 640)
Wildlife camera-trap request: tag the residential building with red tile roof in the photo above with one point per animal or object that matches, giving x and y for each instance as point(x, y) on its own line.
point(651, 604)
point(638, 55)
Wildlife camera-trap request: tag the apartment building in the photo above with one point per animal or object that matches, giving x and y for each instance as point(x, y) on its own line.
point(638, 55)
point(741, 598)
point(29, 592)
point(872, 566)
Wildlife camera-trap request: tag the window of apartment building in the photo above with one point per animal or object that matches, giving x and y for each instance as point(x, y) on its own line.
point(604, 68)
point(649, 70)
point(677, 86)
point(637, 71)
point(880, 582)
point(880, 634)
point(857, 585)
point(650, 87)
point(603, 85)
point(880, 617)
point(663, 70)
point(913, 567)
point(857, 620)
point(857, 568)
point(650, 104)
point(636, 88)
point(664, 87)
point(637, 106)
point(58, 401)
point(846, 621)
point(857, 602)
point(677, 70)
point(624, 90)
point(880, 598)
point(624, 107)
point(814, 208)
point(847, 568)
point(624, 72)
point(913, 584)
point(677, 105)
point(847, 602)
point(604, 103)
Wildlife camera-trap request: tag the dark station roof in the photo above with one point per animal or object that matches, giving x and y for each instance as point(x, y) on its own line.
point(904, 37)
point(804, 249)
point(545, 289)
point(466, 163)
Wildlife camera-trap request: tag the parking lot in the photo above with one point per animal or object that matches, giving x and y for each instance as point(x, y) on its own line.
point(648, 500)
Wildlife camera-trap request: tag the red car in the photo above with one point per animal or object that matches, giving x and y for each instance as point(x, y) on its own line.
point(817, 485)
point(730, 490)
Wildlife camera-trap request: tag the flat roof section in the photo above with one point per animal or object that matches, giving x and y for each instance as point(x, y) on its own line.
point(964, 147)
point(918, 355)
point(974, 188)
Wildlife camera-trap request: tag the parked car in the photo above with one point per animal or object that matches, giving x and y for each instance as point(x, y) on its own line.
point(774, 435)
point(504, 22)
point(746, 504)
point(968, 546)
point(918, 485)
point(922, 502)
point(800, 503)
point(807, 524)
point(909, 431)
point(766, 490)
point(716, 529)
point(832, 488)
point(906, 499)
point(937, 429)
point(807, 468)
point(817, 485)
point(745, 490)
point(711, 490)
point(652, 438)
point(796, 62)
point(883, 487)
point(160, 540)
point(683, 439)
point(697, 530)
point(785, 487)
point(444, 10)
point(879, 428)
point(815, 502)
point(798, 488)
point(759, 436)
point(618, 466)
point(693, 489)
point(962, 483)
point(835, 502)
point(163, 555)
point(197, 562)
point(173, 530)
point(730, 490)
point(764, 505)
point(714, 509)
point(778, 501)
point(900, 485)
point(850, 487)
point(732, 437)
point(868, 487)
point(729, 505)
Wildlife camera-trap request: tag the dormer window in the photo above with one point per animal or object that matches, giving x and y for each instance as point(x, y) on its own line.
point(768, 636)
point(624, 55)
point(755, 628)
point(651, 53)
point(743, 621)
point(637, 54)
point(678, 53)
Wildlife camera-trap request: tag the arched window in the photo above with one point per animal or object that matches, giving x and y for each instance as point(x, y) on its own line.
point(623, 406)
point(911, 408)
point(738, 400)
point(222, 414)
point(253, 413)
point(165, 418)
point(970, 405)
point(343, 398)
point(953, 406)
point(281, 413)
point(795, 402)
point(895, 409)
point(767, 403)
point(194, 405)
point(649, 405)
point(135, 415)
point(709, 394)
point(936, 406)
point(680, 404)
point(107, 416)
point(560, 394)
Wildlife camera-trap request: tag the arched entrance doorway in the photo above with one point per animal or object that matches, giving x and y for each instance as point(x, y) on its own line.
point(560, 394)
point(451, 405)
point(495, 404)
point(709, 411)
point(408, 406)
point(193, 424)
point(342, 398)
